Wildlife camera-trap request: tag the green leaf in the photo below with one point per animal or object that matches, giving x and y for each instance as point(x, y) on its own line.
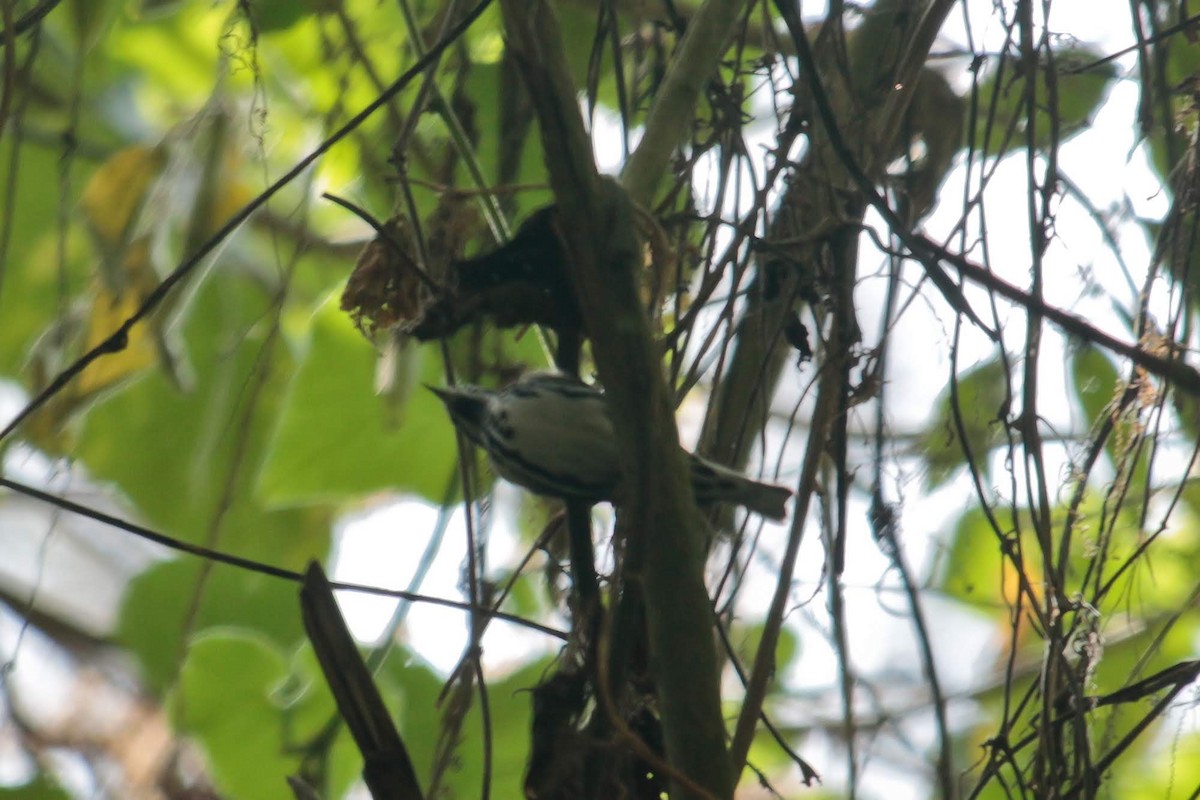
point(310, 708)
point(40, 788)
point(1079, 96)
point(198, 451)
point(1181, 62)
point(1173, 772)
point(32, 284)
point(180, 466)
point(1095, 382)
point(91, 20)
point(225, 700)
point(509, 703)
point(158, 603)
point(173, 55)
point(1097, 386)
point(982, 392)
point(483, 89)
point(411, 689)
point(746, 639)
point(273, 15)
point(974, 572)
point(336, 440)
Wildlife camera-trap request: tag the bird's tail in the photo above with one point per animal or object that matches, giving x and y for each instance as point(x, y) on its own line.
point(713, 483)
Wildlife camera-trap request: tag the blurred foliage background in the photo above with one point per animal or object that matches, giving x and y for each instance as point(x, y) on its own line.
point(1048, 565)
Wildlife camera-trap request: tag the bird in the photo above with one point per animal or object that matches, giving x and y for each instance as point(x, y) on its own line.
point(551, 433)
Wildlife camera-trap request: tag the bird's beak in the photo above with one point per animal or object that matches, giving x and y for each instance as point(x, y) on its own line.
point(444, 395)
point(453, 399)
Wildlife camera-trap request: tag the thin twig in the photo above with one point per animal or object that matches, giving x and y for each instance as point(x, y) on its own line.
point(259, 567)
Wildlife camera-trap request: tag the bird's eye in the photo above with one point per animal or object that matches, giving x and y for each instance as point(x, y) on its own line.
point(502, 425)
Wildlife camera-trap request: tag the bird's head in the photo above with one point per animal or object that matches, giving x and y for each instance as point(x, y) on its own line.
point(467, 407)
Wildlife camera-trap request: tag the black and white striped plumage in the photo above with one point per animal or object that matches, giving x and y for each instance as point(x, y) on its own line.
point(552, 435)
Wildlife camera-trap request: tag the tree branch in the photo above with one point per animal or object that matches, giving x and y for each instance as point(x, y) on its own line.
point(708, 34)
point(658, 519)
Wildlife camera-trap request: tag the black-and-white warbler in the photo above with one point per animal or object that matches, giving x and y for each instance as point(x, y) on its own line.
point(551, 434)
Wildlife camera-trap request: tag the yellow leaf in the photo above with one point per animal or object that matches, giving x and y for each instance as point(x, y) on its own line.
point(90, 323)
point(109, 309)
point(231, 198)
point(116, 191)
